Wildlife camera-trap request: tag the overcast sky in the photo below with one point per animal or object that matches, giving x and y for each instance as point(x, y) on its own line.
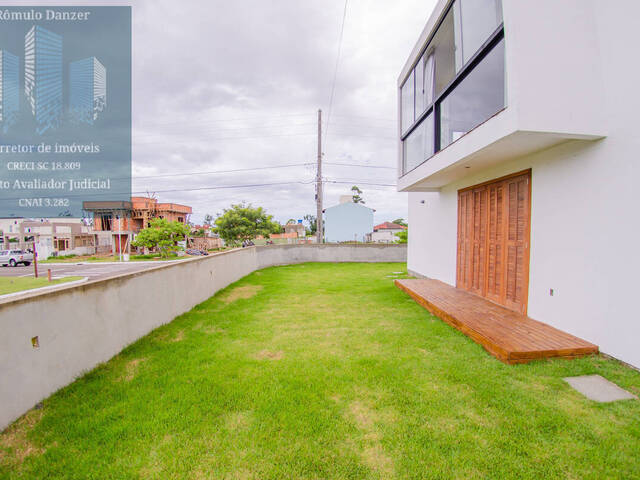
point(224, 85)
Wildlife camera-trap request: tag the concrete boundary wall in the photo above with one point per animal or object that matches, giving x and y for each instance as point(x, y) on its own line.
point(80, 326)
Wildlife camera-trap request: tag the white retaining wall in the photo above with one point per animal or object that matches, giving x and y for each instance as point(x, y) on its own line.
point(80, 326)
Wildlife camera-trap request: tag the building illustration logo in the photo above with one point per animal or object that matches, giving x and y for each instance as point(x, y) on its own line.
point(9, 89)
point(44, 84)
point(87, 89)
point(43, 77)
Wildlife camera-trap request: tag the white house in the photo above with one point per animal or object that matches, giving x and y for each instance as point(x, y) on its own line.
point(519, 149)
point(386, 232)
point(347, 221)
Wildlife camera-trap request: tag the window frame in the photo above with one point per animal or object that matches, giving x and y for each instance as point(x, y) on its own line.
point(476, 58)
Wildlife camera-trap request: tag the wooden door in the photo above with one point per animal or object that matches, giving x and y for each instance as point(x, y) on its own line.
point(493, 240)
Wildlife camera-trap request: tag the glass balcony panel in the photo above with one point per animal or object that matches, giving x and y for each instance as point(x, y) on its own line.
point(419, 145)
point(479, 96)
point(407, 106)
point(477, 20)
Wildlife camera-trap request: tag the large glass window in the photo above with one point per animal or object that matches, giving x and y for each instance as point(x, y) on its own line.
point(407, 95)
point(418, 146)
point(443, 47)
point(419, 76)
point(444, 81)
point(480, 95)
point(475, 21)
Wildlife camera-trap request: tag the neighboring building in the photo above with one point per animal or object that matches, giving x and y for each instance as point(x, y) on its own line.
point(87, 89)
point(10, 228)
point(205, 243)
point(9, 89)
point(348, 221)
point(518, 150)
point(43, 77)
point(296, 228)
point(59, 236)
point(146, 209)
point(386, 232)
point(121, 221)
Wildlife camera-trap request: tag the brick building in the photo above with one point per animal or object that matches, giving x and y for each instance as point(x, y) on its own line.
point(115, 224)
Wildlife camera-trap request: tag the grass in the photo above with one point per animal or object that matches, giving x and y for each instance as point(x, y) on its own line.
point(110, 258)
point(324, 371)
point(18, 284)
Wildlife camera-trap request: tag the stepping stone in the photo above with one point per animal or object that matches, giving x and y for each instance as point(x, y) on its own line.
point(598, 388)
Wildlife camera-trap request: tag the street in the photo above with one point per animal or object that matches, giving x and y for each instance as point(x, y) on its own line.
point(92, 270)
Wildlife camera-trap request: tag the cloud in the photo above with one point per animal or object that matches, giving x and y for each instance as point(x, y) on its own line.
point(221, 85)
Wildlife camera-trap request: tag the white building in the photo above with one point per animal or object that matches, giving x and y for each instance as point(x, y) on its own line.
point(347, 221)
point(385, 232)
point(519, 150)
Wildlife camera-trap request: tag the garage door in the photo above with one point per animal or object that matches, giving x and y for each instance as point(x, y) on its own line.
point(493, 240)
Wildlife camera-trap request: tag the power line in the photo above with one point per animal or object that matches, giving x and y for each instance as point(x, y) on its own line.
point(218, 187)
point(216, 130)
point(366, 117)
point(236, 170)
point(203, 136)
point(237, 119)
point(237, 138)
point(213, 172)
point(361, 183)
point(358, 165)
point(335, 72)
point(201, 132)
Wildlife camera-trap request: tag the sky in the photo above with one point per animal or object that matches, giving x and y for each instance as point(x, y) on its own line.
point(220, 85)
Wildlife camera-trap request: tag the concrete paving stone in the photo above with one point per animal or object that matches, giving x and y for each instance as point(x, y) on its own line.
point(598, 388)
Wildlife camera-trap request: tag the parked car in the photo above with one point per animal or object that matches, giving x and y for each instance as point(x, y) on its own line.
point(195, 251)
point(15, 257)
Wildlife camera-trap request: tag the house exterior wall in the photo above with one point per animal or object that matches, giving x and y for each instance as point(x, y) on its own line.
point(347, 222)
point(384, 236)
point(584, 218)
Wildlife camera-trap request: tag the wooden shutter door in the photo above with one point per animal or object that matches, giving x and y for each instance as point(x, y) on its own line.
point(495, 251)
point(517, 243)
point(479, 241)
point(465, 225)
point(493, 240)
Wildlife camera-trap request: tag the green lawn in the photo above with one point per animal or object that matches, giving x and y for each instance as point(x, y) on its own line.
point(18, 284)
point(324, 371)
point(110, 258)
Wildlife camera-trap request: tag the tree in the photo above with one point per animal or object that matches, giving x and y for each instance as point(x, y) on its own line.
point(243, 222)
point(163, 235)
point(400, 221)
point(291, 221)
point(356, 195)
point(403, 237)
point(313, 225)
point(208, 219)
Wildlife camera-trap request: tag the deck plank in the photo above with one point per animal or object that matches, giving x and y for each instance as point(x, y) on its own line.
point(509, 336)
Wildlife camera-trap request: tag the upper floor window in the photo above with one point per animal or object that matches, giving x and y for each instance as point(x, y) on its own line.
point(437, 104)
point(476, 20)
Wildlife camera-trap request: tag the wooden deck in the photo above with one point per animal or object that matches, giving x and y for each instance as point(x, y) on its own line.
point(508, 335)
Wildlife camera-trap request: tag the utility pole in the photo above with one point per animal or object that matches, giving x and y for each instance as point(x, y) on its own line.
point(319, 229)
point(35, 261)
